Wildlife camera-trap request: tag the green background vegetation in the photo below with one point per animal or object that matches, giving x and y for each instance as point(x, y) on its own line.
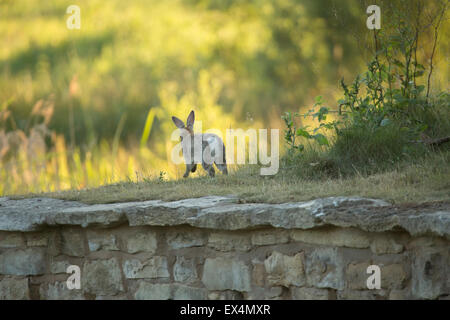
point(81, 108)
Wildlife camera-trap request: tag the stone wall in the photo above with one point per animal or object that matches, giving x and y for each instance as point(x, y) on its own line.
point(216, 248)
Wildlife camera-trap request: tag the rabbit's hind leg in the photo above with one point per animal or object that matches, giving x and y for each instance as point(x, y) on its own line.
point(222, 167)
point(209, 168)
point(189, 168)
point(221, 161)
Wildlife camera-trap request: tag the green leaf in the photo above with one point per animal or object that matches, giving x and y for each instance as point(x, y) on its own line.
point(423, 127)
point(303, 133)
point(398, 63)
point(419, 66)
point(318, 100)
point(321, 139)
point(420, 88)
point(321, 115)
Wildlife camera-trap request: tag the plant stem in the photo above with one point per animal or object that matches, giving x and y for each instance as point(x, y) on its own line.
point(436, 32)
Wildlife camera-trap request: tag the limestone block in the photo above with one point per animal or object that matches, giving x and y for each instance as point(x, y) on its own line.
point(101, 277)
point(101, 241)
point(263, 238)
point(72, 242)
point(348, 237)
point(59, 291)
point(14, 289)
point(325, 269)
point(185, 239)
point(430, 272)
point(141, 241)
point(383, 245)
point(22, 262)
point(184, 270)
point(11, 240)
point(305, 293)
point(226, 274)
point(285, 270)
point(155, 267)
point(224, 241)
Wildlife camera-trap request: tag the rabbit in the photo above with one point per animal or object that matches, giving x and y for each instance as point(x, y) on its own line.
point(213, 148)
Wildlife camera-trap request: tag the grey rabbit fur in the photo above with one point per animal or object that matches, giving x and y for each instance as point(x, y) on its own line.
point(213, 148)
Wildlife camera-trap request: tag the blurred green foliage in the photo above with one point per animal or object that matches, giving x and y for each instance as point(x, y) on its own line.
point(262, 55)
point(235, 62)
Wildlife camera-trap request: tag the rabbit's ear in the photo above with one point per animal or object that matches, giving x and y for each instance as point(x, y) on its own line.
point(178, 122)
point(190, 120)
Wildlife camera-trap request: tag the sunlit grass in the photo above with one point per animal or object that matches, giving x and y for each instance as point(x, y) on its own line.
point(62, 169)
point(423, 181)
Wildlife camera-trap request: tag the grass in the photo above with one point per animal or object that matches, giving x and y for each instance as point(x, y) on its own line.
point(428, 179)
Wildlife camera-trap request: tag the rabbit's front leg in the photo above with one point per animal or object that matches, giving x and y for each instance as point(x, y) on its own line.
point(189, 168)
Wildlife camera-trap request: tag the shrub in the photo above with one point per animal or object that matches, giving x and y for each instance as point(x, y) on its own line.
point(385, 116)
